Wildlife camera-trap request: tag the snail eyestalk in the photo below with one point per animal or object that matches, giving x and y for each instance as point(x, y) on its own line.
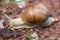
point(49, 21)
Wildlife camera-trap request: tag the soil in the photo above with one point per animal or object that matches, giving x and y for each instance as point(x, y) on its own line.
point(51, 32)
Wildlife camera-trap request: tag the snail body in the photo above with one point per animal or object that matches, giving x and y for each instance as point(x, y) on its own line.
point(35, 14)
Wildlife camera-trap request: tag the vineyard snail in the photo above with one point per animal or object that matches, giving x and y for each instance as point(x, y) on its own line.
point(35, 14)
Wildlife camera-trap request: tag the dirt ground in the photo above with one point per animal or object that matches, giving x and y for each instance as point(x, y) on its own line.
point(51, 32)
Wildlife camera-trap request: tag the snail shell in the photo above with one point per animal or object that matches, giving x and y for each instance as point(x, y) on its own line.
point(35, 14)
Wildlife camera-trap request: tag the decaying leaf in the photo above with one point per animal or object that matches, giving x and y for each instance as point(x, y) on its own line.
point(1, 23)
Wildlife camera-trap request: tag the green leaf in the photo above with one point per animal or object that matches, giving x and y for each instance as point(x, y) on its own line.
point(13, 2)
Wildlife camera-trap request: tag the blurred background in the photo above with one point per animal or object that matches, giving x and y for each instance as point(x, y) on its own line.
point(51, 32)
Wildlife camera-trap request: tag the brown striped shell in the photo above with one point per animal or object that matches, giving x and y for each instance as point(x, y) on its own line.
point(35, 14)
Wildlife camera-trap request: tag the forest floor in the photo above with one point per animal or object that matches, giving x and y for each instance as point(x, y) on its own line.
point(51, 32)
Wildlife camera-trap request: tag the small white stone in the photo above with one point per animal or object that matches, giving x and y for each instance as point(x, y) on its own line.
point(58, 38)
point(21, 4)
point(34, 34)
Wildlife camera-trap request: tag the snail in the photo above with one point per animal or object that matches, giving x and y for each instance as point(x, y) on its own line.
point(32, 16)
